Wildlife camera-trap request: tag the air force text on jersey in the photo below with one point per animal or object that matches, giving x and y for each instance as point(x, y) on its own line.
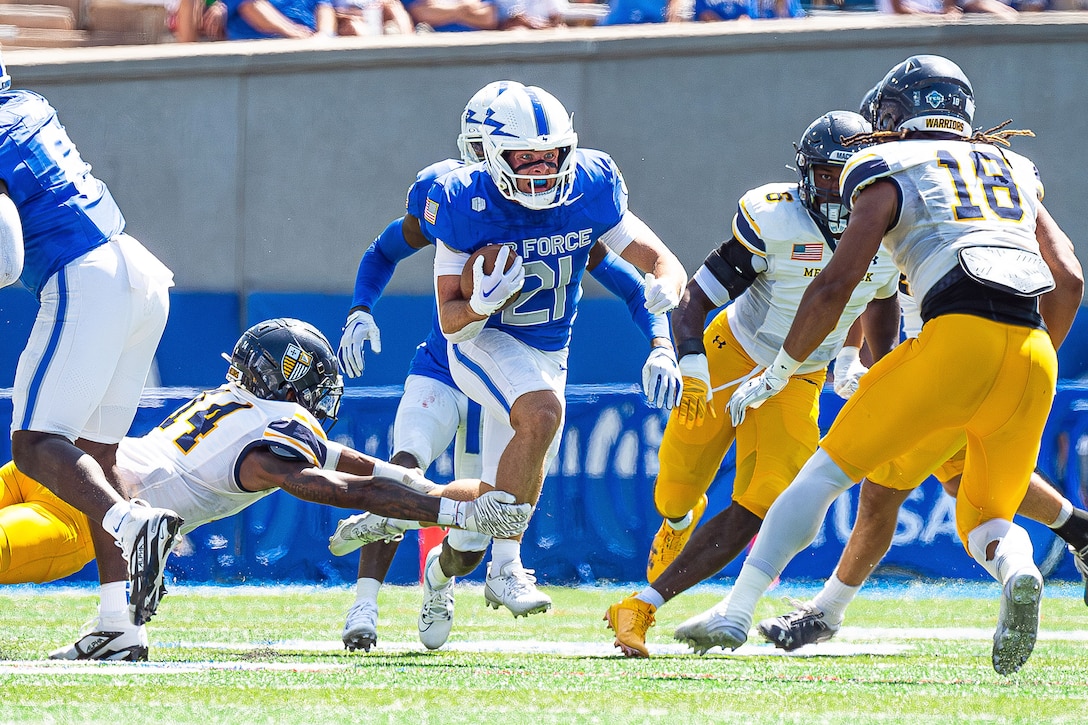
point(556, 244)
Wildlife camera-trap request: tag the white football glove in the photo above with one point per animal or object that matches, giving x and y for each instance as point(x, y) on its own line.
point(413, 478)
point(660, 297)
point(661, 381)
point(755, 393)
point(359, 328)
point(491, 291)
point(494, 514)
point(848, 372)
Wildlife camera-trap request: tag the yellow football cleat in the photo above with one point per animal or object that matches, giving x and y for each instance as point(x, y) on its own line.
point(630, 619)
point(669, 542)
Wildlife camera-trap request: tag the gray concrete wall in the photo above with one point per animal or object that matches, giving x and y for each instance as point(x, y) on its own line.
point(271, 165)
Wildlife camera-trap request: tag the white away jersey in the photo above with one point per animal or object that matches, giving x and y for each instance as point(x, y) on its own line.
point(190, 462)
point(774, 224)
point(953, 194)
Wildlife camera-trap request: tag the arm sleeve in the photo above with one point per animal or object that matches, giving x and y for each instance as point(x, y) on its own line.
point(378, 264)
point(11, 242)
point(622, 279)
point(728, 271)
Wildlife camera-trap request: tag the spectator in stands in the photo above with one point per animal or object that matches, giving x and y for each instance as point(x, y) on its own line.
point(712, 11)
point(195, 20)
point(637, 12)
point(256, 19)
point(455, 16)
point(945, 7)
point(372, 17)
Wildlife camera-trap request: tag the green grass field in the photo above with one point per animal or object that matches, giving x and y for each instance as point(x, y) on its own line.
point(271, 655)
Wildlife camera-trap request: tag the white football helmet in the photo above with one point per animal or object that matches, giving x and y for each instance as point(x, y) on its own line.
point(5, 79)
point(529, 119)
point(470, 142)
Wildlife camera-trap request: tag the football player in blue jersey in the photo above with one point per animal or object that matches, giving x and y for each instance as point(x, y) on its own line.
point(549, 202)
point(103, 306)
point(433, 411)
point(964, 219)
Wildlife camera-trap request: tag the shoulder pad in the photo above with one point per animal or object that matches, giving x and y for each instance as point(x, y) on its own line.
point(770, 213)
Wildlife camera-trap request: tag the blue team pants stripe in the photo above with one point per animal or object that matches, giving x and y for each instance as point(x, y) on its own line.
point(483, 377)
point(50, 349)
point(472, 428)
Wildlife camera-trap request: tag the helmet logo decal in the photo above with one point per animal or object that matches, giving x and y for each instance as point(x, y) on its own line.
point(934, 99)
point(296, 363)
point(489, 120)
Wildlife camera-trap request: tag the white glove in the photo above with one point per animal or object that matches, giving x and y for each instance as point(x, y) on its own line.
point(494, 514)
point(660, 297)
point(848, 372)
point(661, 378)
point(491, 291)
point(413, 478)
point(359, 328)
point(755, 393)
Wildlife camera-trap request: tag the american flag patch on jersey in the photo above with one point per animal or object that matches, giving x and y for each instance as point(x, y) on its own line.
point(430, 211)
point(808, 252)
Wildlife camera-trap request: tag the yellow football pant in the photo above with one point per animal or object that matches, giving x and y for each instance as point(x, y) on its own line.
point(991, 381)
point(42, 538)
point(773, 442)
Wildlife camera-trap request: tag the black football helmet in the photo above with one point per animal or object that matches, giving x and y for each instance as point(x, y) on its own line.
point(822, 145)
point(925, 93)
point(288, 359)
point(865, 109)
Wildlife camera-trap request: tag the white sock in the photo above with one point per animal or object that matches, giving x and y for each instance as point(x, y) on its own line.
point(366, 589)
point(504, 551)
point(435, 575)
point(113, 519)
point(1064, 515)
point(652, 597)
point(1013, 553)
point(404, 524)
point(834, 598)
point(113, 601)
point(791, 524)
point(749, 587)
point(682, 523)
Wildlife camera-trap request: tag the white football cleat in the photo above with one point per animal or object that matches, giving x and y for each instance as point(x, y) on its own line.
point(711, 629)
point(361, 626)
point(514, 587)
point(1018, 621)
point(119, 642)
point(436, 615)
point(362, 529)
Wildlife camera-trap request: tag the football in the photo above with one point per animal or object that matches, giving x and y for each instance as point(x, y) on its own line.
point(489, 253)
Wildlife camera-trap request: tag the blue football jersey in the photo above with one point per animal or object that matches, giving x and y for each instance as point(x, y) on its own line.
point(465, 211)
point(431, 359)
point(65, 212)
